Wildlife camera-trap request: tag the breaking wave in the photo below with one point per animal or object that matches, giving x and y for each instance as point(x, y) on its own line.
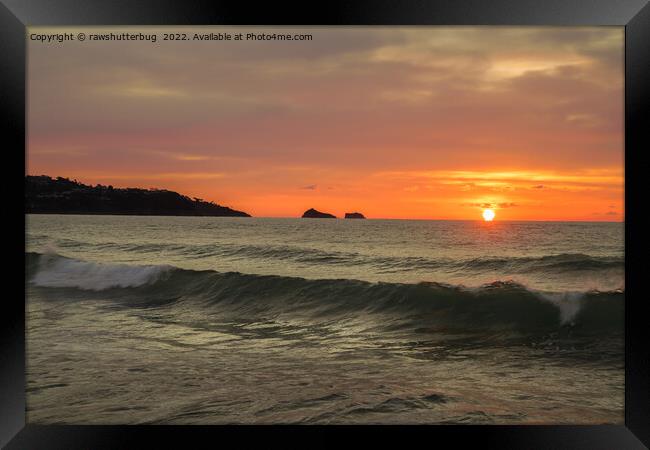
point(501, 305)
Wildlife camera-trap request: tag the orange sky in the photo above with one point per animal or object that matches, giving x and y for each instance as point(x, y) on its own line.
point(393, 122)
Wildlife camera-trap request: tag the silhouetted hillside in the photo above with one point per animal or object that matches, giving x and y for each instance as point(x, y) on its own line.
point(45, 195)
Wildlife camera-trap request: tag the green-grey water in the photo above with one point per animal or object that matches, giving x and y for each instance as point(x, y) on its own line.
point(248, 320)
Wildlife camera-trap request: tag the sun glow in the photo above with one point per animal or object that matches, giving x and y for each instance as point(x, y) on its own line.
point(488, 215)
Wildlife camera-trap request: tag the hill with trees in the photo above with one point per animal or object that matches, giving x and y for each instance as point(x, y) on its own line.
point(46, 195)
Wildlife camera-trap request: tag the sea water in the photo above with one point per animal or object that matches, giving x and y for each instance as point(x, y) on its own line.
point(211, 320)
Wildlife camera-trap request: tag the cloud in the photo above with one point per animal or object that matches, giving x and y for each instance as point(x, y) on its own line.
point(433, 113)
point(479, 204)
point(183, 157)
point(164, 176)
point(506, 178)
point(501, 205)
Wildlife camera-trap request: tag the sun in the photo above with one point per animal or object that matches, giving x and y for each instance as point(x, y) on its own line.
point(488, 215)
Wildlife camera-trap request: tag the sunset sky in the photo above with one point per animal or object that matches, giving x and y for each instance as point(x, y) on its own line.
point(393, 122)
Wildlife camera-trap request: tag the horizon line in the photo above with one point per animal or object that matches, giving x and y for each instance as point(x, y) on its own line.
point(27, 174)
point(339, 218)
point(432, 220)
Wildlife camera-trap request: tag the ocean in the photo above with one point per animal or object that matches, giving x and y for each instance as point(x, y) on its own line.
point(215, 320)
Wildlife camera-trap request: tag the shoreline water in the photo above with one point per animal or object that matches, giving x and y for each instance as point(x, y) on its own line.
point(212, 321)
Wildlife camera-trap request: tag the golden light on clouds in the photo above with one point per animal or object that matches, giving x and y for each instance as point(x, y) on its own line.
point(395, 122)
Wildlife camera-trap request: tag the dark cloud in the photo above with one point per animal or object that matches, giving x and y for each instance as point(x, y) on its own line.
point(491, 205)
point(311, 187)
point(479, 205)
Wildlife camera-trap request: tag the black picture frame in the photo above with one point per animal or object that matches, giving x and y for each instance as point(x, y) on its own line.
point(634, 15)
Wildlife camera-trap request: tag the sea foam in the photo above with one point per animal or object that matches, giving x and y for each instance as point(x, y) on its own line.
point(55, 271)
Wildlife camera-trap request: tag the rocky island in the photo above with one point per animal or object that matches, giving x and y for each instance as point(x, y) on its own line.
point(46, 195)
point(314, 214)
point(354, 215)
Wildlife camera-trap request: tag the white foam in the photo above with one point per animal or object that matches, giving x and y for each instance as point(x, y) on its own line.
point(569, 303)
point(55, 271)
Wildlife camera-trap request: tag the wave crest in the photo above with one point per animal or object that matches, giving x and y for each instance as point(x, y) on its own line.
point(559, 263)
point(501, 305)
point(59, 272)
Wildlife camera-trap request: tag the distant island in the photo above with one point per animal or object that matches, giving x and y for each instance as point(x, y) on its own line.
point(46, 195)
point(354, 215)
point(314, 214)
